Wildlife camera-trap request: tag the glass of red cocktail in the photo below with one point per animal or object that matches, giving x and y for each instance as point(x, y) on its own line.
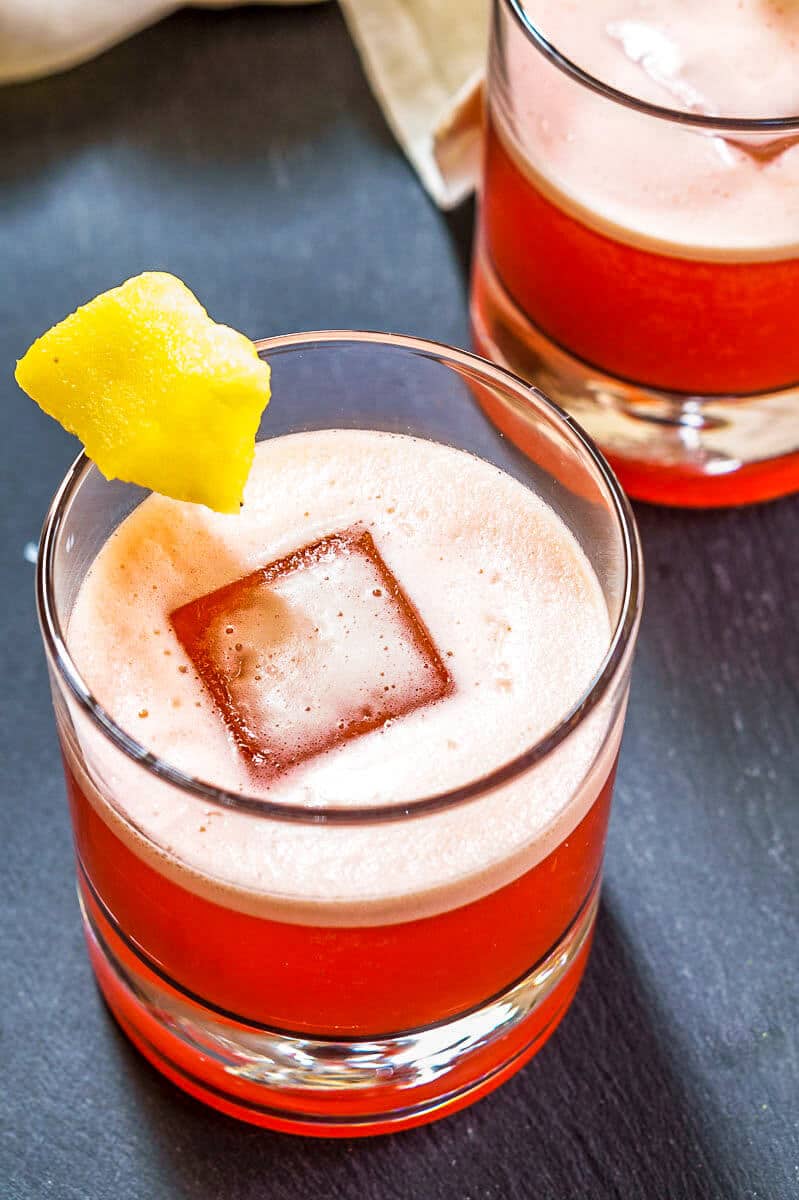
point(638, 244)
point(340, 766)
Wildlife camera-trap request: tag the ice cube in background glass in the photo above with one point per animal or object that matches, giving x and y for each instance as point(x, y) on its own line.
point(660, 57)
point(309, 651)
point(664, 62)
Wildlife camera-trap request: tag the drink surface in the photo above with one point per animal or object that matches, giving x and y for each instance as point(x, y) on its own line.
point(648, 181)
point(510, 607)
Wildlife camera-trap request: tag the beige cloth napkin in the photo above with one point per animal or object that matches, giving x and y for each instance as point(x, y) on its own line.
point(423, 58)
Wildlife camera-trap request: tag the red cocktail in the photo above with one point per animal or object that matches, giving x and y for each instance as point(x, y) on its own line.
point(642, 263)
point(340, 819)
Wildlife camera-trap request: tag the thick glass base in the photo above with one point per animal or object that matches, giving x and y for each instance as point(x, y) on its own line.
point(666, 447)
point(328, 1086)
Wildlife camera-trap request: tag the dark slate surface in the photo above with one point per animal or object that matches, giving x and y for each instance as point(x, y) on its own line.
point(244, 152)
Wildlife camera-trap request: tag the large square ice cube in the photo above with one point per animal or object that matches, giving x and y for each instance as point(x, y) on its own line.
point(309, 651)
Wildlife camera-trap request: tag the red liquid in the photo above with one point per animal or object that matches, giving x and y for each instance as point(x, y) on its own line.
point(340, 980)
point(342, 1113)
point(679, 324)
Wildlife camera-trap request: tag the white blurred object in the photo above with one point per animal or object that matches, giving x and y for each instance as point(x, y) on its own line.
point(424, 60)
point(39, 37)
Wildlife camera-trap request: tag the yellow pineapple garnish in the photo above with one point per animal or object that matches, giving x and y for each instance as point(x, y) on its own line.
point(159, 394)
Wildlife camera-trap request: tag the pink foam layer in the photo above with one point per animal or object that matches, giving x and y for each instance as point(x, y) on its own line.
point(650, 182)
point(511, 603)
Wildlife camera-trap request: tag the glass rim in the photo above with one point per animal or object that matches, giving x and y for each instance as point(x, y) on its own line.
point(785, 124)
point(613, 663)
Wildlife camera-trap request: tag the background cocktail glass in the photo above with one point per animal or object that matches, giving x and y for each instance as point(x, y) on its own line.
point(328, 1027)
point(614, 269)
